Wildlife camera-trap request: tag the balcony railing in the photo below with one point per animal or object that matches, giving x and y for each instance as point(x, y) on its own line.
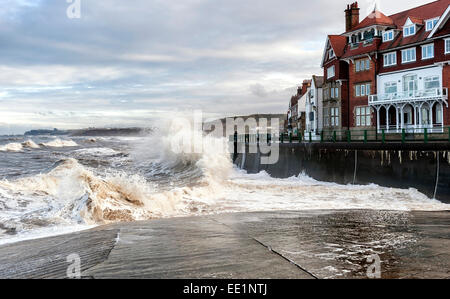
point(410, 96)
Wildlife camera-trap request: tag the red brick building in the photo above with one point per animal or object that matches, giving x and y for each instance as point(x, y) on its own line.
point(391, 72)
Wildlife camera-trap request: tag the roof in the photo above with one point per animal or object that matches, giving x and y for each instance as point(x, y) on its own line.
point(318, 81)
point(338, 43)
point(375, 18)
point(417, 15)
point(361, 49)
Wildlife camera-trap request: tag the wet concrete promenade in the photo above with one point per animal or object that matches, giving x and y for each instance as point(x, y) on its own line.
point(291, 244)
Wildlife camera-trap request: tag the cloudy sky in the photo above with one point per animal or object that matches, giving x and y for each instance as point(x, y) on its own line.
point(126, 61)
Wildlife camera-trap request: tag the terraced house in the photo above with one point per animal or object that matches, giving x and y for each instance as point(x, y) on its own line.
point(389, 73)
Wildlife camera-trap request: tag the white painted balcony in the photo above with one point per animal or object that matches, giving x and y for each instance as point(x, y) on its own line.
point(410, 96)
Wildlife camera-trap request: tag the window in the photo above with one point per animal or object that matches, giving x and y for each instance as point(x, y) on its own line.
point(439, 113)
point(409, 30)
point(334, 117)
point(447, 46)
point(390, 87)
point(431, 23)
point(332, 93)
point(363, 116)
point(390, 59)
point(362, 65)
point(358, 90)
point(362, 89)
point(330, 72)
point(326, 117)
point(336, 92)
point(410, 85)
point(330, 54)
point(432, 82)
point(409, 55)
point(388, 35)
point(428, 51)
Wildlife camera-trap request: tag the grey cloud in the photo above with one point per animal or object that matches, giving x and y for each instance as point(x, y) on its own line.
point(222, 56)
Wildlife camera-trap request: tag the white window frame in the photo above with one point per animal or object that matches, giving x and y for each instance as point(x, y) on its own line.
point(331, 54)
point(428, 79)
point(447, 46)
point(405, 56)
point(408, 32)
point(358, 90)
point(423, 52)
point(388, 35)
point(363, 116)
point(333, 69)
point(385, 60)
point(368, 88)
point(390, 84)
point(433, 23)
point(367, 64)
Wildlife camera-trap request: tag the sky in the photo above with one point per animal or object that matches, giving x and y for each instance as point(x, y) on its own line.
point(124, 62)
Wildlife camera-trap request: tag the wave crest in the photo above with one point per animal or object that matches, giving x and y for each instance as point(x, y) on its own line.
point(60, 143)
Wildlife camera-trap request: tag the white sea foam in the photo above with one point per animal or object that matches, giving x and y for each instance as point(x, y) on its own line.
point(60, 143)
point(97, 151)
point(30, 144)
point(11, 147)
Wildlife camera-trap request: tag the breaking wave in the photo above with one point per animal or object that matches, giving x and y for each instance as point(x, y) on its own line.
point(11, 147)
point(30, 144)
point(60, 143)
point(172, 181)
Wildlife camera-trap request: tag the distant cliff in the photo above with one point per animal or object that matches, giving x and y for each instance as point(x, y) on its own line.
point(111, 132)
point(53, 132)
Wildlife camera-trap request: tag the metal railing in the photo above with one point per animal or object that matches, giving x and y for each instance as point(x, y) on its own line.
point(423, 135)
point(416, 95)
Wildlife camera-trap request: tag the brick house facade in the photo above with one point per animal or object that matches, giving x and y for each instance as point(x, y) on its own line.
point(392, 72)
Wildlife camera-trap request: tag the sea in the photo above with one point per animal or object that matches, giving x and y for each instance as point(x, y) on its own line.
point(55, 185)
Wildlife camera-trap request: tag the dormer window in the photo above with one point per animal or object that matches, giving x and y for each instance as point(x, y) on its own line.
point(388, 35)
point(330, 54)
point(409, 30)
point(431, 23)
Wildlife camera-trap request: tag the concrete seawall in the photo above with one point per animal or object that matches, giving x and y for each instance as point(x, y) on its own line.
point(425, 167)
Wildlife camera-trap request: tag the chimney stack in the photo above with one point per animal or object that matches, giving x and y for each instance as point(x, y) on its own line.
point(305, 85)
point(351, 16)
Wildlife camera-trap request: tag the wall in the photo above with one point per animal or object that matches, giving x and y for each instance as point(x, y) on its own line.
point(391, 165)
point(367, 76)
point(439, 56)
point(446, 83)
